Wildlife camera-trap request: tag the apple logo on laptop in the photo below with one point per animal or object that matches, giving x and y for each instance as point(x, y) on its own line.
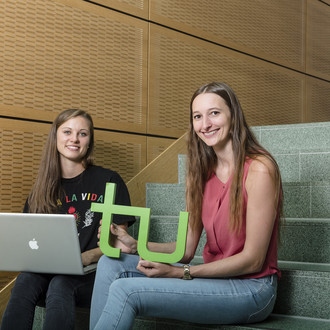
point(34, 244)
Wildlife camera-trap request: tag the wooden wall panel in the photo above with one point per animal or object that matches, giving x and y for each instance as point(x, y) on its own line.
point(21, 147)
point(273, 30)
point(318, 39)
point(163, 169)
point(22, 143)
point(134, 7)
point(155, 146)
point(179, 64)
point(318, 100)
point(72, 54)
point(124, 153)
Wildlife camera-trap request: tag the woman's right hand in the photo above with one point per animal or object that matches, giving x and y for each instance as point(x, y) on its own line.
point(122, 239)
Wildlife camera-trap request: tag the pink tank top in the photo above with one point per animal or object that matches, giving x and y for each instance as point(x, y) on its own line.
point(221, 242)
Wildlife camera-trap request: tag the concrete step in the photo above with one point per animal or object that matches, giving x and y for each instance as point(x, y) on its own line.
point(291, 137)
point(182, 168)
point(301, 199)
point(81, 322)
point(307, 199)
point(305, 240)
point(165, 198)
point(303, 165)
point(297, 165)
point(304, 292)
point(275, 321)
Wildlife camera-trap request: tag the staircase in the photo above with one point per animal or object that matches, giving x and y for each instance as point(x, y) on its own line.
point(303, 154)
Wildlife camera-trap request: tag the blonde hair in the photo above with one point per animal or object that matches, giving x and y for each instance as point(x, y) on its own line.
point(202, 160)
point(47, 189)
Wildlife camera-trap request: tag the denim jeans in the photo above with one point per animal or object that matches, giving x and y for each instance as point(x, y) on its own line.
point(60, 293)
point(121, 293)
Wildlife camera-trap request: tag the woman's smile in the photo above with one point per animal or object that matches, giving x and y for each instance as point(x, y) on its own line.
point(210, 133)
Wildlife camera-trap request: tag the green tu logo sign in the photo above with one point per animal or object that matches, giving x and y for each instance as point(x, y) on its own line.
point(108, 208)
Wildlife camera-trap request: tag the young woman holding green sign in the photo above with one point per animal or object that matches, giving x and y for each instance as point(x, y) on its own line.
point(233, 191)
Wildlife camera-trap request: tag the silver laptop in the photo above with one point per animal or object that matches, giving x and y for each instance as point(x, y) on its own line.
point(40, 243)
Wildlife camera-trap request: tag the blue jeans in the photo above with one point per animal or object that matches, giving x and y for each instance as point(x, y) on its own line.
point(60, 293)
point(121, 293)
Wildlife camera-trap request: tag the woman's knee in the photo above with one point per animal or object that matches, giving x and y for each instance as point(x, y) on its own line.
point(111, 269)
point(124, 290)
point(105, 263)
point(59, 294)
point(30, 283)
point(60, 285)
point(110, 264)
point(29, 289)
point(26, 279)
point(106, 270)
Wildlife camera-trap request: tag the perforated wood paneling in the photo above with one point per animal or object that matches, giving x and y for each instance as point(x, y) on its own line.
point(124, 153)
point(180, 64)
point(63, 54)
point(318, 100)
point(270, 29)
point(20, 153)
point(135, 7)
point(318, 39)
point(155, 146)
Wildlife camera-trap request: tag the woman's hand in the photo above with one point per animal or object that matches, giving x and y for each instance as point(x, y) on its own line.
point(120, 239)
point(86, 258)
point(157, 269)
point(91, 256)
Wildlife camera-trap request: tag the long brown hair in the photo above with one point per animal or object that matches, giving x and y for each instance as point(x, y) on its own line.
point(202, 160)
point(47, 188)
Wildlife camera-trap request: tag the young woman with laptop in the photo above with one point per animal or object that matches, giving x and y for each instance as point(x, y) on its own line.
point(67, 183)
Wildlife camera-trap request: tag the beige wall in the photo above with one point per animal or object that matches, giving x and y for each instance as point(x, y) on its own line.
point(134, 64)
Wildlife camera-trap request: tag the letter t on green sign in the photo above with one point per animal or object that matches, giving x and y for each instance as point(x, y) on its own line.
point(108, 208)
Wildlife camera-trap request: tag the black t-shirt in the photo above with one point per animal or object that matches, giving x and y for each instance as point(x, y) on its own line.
point(87, 188)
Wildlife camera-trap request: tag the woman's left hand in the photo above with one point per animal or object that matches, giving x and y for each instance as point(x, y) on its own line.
point(155, 269)
point(91, 256)
point(87, 258)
